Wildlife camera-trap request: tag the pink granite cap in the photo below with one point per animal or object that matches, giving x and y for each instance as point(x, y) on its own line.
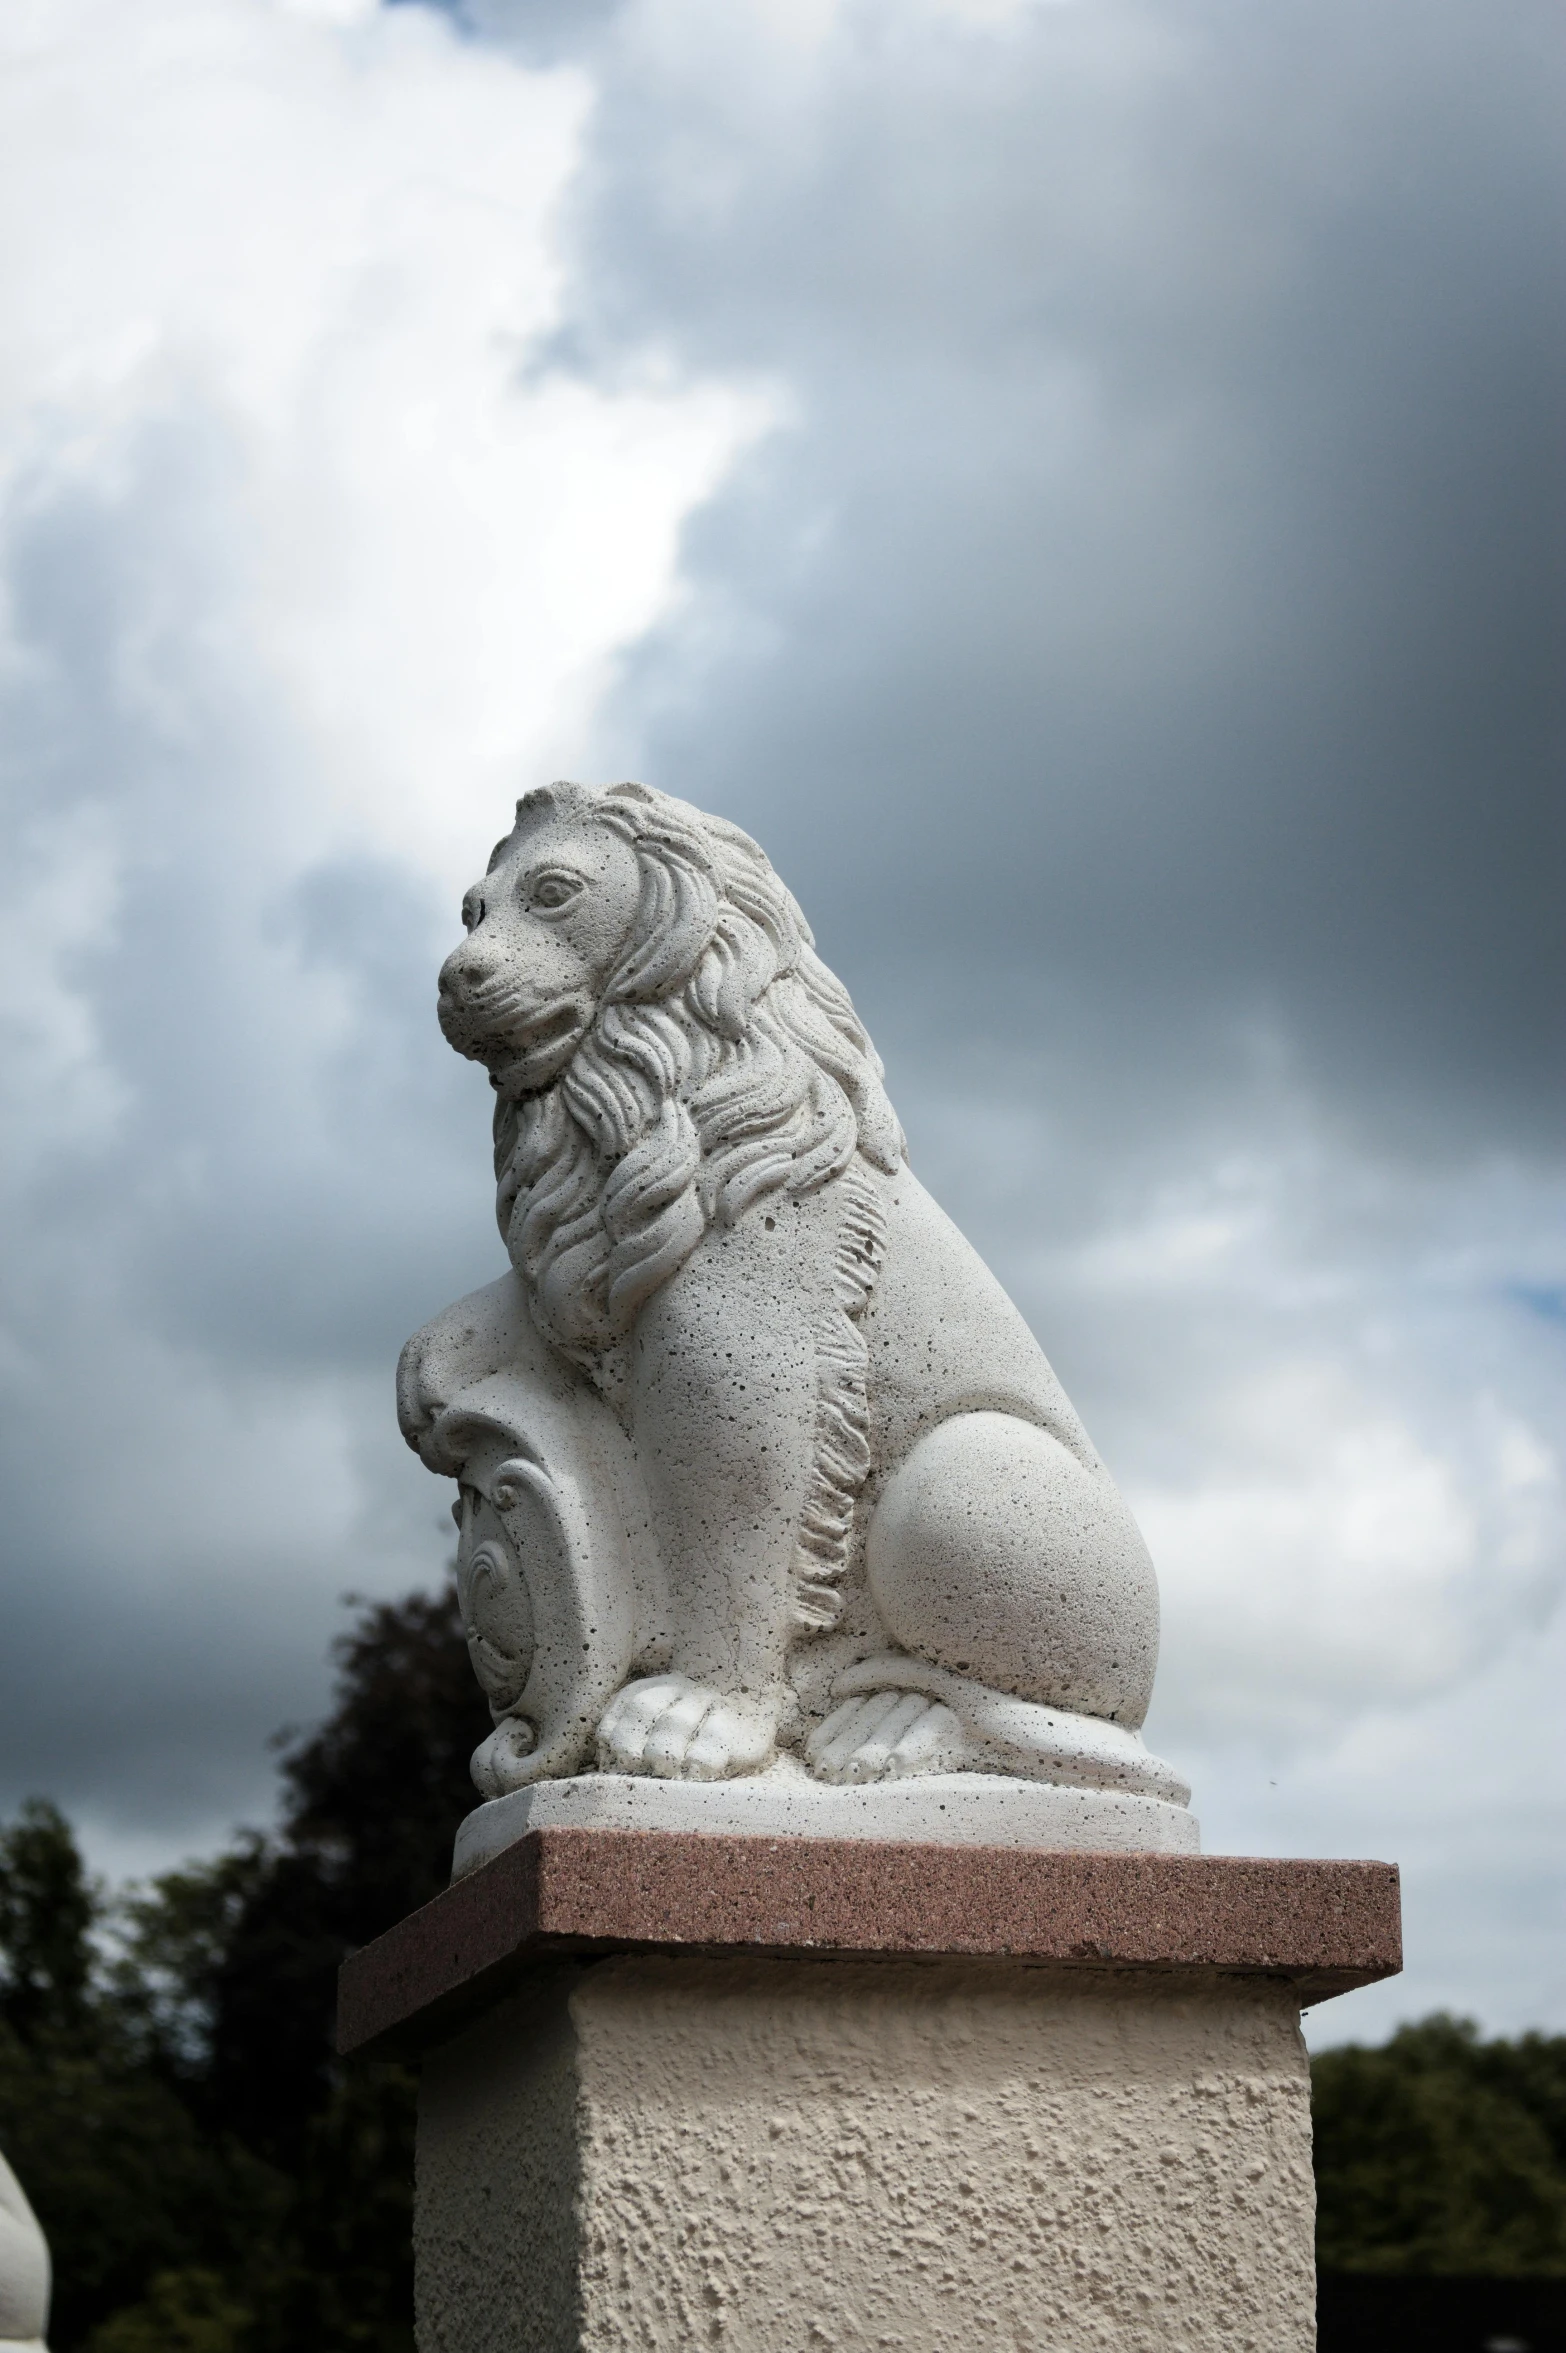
point(1325, 1927)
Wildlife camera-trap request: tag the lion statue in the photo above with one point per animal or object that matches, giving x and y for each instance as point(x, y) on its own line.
point(24, 2270)
point(759, 1468)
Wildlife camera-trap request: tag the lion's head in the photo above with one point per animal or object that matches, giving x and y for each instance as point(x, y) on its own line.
point(665, 1043)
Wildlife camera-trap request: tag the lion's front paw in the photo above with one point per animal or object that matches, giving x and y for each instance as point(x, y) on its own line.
point(679, 1731)
point(885, 1735)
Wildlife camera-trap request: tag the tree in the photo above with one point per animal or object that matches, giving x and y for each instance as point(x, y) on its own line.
point(115, 2165)
point(1441, 2153)
point(371, 1804)
point(47, 1911)
point(210, 2177)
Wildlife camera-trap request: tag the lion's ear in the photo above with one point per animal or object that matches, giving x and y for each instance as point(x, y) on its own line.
point(628, 792)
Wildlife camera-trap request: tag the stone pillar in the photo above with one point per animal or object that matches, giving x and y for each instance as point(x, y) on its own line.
point(773, 2096)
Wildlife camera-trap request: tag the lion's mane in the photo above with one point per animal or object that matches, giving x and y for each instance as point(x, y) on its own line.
point(724, 1063)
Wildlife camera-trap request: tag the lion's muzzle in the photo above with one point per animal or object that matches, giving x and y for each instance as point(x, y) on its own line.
point(490, 1020)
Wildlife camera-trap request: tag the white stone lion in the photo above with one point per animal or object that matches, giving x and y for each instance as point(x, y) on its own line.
point(756, 1458)
point(24, 2270)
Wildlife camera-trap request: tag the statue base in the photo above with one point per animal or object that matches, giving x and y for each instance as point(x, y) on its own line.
point(942, 1809)
point(773, 2095)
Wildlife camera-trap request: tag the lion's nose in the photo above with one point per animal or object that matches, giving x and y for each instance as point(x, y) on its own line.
point(461, 971)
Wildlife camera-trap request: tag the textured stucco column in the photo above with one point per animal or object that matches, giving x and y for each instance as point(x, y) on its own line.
point(1087, 2126)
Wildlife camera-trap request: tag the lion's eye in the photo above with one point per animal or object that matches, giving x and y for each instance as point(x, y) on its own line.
point(554, 890)
point(472, 910)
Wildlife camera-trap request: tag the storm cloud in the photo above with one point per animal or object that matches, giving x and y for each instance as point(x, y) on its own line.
point(1081, 483)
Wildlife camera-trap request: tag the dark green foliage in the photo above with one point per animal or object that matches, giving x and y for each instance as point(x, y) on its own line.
point(1441, 2153)
point(182, 2312)
point(112, 2157)
point(46, 1917)
point(372, 1802)
point(210, 2178)
point(120, 2174)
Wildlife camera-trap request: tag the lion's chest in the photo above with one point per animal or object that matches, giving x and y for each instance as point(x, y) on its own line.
point(609, 1371)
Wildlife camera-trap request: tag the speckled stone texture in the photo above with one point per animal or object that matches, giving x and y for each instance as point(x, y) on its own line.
point(779, 2156)
point(1324, 1927)
point(928, 1809)
point(758, 1468)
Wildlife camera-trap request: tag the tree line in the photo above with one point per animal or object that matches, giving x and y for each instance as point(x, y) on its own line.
point(213, 2180)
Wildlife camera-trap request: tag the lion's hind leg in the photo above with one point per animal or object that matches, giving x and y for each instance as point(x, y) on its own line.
point(996, 1553)
point(898, 1716)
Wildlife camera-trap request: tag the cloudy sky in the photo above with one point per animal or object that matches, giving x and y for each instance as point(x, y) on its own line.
point(1079, 479)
